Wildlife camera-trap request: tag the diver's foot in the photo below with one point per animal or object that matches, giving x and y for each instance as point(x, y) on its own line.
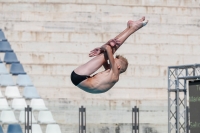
point(136, 25)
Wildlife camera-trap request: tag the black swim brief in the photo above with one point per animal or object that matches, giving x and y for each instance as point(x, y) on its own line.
point(76, 79)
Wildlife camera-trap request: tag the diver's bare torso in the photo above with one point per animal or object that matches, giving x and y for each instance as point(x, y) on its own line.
point(99, 83)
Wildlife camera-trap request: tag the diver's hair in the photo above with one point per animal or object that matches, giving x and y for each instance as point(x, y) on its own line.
point(124, 63)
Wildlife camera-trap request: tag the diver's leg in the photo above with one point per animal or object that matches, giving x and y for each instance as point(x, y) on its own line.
point(91, 66)
point(132, 26)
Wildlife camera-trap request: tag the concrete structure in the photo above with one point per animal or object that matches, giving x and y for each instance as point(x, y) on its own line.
point(52, 37)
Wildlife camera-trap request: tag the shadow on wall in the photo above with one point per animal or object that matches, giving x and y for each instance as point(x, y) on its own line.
point(149, 130)
point(117, 129)
point(145, 129)
point(104, 130)
point(107, 130)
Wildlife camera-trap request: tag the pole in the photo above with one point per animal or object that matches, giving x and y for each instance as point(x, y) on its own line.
point(82, 120)
point(28, 124)
point(135, 120)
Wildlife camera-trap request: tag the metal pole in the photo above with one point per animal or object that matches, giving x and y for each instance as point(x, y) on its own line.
point(138, 121)
point(185, 106)
point(187, 122)
point(187, 115)
point(177, 100)
point(82, 120)
point(135, 119)
point(132, 120)
point(85, 120)
point(31, 119)
point(177, 107)
point(169, 127)
point(28, 123)
point(169, 108)
point(28, 118)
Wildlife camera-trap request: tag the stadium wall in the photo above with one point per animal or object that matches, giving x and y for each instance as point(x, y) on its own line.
point(53, 37)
